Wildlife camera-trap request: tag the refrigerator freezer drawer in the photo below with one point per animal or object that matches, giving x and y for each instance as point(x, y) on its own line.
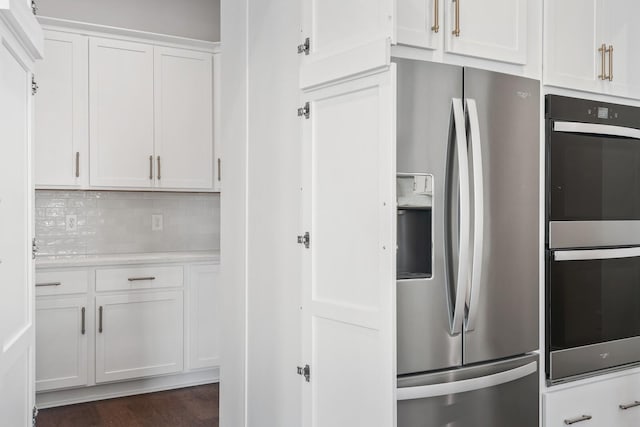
point(501, 394)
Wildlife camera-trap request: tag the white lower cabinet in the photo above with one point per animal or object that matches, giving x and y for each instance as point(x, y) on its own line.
point(61, 342)
point(204, 316)
point(138, 335)
point(607, 403)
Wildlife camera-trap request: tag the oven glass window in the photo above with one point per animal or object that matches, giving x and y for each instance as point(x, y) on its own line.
point(593, 301)
point(594, 178)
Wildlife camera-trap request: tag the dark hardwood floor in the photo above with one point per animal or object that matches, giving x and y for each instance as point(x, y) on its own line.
point(187, 407)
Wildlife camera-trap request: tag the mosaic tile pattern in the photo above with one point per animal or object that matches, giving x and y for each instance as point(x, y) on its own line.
point(112, 222)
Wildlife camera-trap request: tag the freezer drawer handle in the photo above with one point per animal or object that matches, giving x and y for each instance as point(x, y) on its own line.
point(596, 129)
point(629, 405)
point(462, 386)
point(591, 254)
point(578, 419)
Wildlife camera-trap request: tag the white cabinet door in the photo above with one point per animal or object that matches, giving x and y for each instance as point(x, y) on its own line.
point(348, 278)
point(620, 30)
point(121, 113)
point(62, 112)
point(204, 316)
point(16, 207)
point(571, 57)
point(138, 335)
point(346, 37)
point(491, 29)
point(217, 125)
point(183, 119)
point(419, 23)
point(61, 342)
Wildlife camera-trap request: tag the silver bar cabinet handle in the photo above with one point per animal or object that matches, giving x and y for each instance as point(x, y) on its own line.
point(603, 51)
point(629, 405)
point(100, 319)
point(219, 165)
point(150, 167)
point(137, 279)
point(159, 173)
point(577, 419)
point(610, 62)
point(82, 327)
point(48, 284)
point(77, 164)
point(456, 31)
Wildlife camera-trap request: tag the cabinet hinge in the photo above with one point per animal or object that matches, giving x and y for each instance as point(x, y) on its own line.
point(304, 240)
point(34, 415)
point(304, 47)
point(34, 85)
point(304, 111)
point(34, 7)
point(305, 372)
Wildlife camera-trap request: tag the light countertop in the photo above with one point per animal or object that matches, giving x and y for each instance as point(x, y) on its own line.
point(126, 259)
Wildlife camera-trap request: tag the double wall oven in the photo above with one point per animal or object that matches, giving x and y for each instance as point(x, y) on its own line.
point(593, 237)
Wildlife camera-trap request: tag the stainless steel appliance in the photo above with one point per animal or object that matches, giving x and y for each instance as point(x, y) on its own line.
point(468, 260)
point(593, 237)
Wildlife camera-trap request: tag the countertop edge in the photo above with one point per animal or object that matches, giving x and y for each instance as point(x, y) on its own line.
point(212, 257)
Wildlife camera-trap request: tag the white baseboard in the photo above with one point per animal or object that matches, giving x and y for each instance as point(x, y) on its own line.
point(51, 399)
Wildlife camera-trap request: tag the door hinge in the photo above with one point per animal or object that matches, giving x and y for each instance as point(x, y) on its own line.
point(34, 248)
point(304, 240)
point(304, 47)
point(34, 85)
point(34, 415)
point(305, 111)
point(34, 7)
point(305, 372)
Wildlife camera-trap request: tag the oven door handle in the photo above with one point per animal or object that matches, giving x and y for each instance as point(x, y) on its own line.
point(592, 254)
point(595, 128)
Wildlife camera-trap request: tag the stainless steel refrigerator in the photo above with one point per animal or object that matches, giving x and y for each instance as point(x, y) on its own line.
point(468, 146)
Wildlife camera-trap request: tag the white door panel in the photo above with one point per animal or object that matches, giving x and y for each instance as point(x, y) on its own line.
point(204, 327)
point(183, 119)
point(349, 268)
point(491, 29)
point(62, 112)
point(16, 267)
point(346, 37)
point(121, 113)
point(419, 23)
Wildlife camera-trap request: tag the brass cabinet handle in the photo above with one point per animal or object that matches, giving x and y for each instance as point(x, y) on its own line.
point(48, 284)
point(577, 419)
point(610, 62)
point(219, 165)
point(629, 405)
point(77, 164)
point(137, 279)
point(456, 31)
point(82, 329)
point(603, 52)
point(159, 173)
point(150, 167)
point(436, 18)
point(100, 319)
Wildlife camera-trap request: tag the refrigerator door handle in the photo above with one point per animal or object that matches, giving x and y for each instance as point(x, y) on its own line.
point(465, 215)
point(478, 209)
point(462, 386)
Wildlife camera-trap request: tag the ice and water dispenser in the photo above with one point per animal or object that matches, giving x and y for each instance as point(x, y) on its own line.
point(415, 202)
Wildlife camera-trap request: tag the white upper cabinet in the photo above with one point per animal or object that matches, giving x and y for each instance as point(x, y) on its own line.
point(183, 119)
point(121, 113)
point(621, 33)
point(62, 112)
point(420, 23)
point(345, 37)
point(592, 46)
point(491, 29)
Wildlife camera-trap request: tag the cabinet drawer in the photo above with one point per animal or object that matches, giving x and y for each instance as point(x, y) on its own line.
point(132, 278)
point(61, 282)
point(611, 402)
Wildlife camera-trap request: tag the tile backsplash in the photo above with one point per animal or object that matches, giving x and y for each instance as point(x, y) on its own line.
point(112, 222)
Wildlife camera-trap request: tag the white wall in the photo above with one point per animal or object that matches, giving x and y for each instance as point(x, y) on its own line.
point(197, 19)
point(260, 214)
